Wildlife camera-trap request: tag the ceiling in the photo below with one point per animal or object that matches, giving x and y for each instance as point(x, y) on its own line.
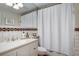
point(28, 7)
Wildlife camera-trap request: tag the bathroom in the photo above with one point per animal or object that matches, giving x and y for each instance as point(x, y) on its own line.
point(39, 29)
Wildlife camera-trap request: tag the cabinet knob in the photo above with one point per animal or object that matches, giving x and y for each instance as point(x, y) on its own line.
point(34, 48)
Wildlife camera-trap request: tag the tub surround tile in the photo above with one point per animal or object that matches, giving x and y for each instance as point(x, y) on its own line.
point(8, 34)
point(18, 29)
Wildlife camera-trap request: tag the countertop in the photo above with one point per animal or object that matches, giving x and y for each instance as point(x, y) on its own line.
point(6, 46)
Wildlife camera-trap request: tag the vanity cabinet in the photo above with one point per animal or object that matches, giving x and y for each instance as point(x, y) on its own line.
point(10, 53)
point(29, 49)
point(23, 51)
point(33, 49)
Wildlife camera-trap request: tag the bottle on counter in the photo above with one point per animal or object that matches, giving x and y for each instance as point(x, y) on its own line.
point(27, 35)
point(23, 35)
point(34, 35)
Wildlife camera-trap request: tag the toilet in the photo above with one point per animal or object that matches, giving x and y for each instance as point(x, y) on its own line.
point(42, 51)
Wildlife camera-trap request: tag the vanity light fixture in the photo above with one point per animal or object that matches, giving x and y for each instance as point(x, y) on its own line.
point(16, 6)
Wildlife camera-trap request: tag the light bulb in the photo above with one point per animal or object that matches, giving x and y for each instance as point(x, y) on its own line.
point(9, 4)
point(16, 7)
point(20, 5)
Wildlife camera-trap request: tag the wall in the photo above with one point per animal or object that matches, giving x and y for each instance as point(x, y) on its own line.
point(76, 45)
point(14, 21)
point(76, 33)
point(9, 19)
point(7, 36)
point(76, 12)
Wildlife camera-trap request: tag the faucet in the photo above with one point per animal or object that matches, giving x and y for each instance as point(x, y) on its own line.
point(27, 35)
point(12, 39)
point(8, 40)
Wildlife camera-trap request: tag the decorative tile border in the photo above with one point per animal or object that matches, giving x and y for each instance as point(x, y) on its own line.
point(76, 29)
point(18, 29)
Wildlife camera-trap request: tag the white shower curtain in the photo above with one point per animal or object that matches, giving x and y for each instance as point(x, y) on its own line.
point(55, 28)
point(67, 28)
point(55, 31)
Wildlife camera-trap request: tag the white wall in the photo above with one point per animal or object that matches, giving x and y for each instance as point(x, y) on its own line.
point(76, 33)
point(29, 20)
point(7, 15)
point(76, 12)
point(5, 35)
point(76, 43)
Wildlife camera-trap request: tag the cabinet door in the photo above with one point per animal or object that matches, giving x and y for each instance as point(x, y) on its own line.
point(33, 51)
point(34, 19)
point(10, 53)
point(28, 50)
point(23, 51)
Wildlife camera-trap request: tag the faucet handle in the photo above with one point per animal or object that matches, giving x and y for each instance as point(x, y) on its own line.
point(8, 39)
point(16, 38)
point(13, 39)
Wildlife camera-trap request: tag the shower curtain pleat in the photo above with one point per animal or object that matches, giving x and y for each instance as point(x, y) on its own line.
point(55, 28)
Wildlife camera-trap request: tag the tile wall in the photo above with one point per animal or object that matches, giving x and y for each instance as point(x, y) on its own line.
point(76, 43)
point(7, 36)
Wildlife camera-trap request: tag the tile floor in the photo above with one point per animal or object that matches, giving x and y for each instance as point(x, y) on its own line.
point(56, 54)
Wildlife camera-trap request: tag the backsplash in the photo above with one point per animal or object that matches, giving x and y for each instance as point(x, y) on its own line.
point(6, 36)
point(17, 29)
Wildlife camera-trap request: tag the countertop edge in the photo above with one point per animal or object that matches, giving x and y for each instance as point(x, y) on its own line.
point(14, 48)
